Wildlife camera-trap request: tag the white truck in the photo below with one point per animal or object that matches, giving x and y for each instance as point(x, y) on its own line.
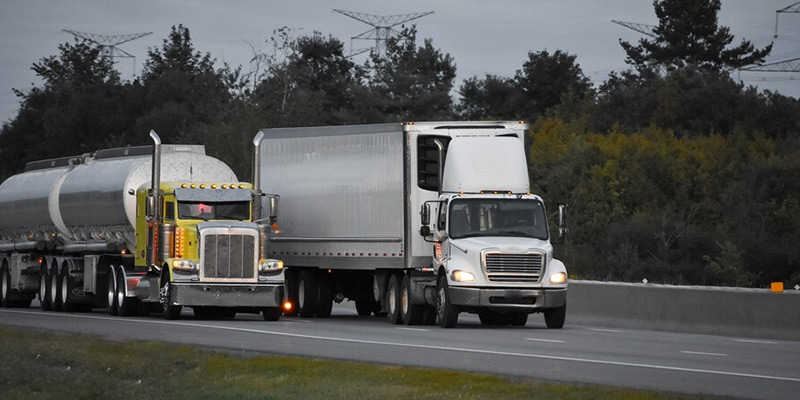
point(417, 221)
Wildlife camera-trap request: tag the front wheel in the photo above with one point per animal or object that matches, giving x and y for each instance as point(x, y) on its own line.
point(555, 317)
point(446, 312)
point(171, 312)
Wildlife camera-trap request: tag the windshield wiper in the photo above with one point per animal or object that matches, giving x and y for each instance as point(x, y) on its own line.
point(516, 233)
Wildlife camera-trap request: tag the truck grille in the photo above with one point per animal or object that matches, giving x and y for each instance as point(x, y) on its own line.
point(513, 267)
point(228, 256)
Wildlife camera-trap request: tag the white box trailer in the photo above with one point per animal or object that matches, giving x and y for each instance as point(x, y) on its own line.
point(356, 209)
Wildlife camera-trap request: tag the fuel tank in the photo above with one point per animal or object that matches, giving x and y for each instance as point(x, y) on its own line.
point(89, 198)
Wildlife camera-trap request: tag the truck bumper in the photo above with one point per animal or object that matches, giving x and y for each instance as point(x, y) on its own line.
point(226, 295)
point(518, 299)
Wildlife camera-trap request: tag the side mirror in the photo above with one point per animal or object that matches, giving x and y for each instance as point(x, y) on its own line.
point(425, 214)
point(425, 230)
point(562, 220)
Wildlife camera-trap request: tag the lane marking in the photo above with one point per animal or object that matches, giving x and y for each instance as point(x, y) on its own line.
point(544, 340)
point(605, 330)
point(307, 321)
point(425, 347)
point(700, 353)
point(754, 341)
point(414, 329)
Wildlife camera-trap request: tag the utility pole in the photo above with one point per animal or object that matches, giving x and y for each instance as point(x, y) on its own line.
point(382, 28)
point(108, 44)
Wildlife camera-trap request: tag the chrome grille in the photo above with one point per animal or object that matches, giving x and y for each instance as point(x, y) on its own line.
point(229, 256)
point(513, 267)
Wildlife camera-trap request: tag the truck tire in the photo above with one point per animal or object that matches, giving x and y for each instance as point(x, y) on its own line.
point(393, 300)
point(55, 290)
point(555, 317)
point(307, 294)
point(364, 307)
point(411, 314)
point(326, 289)
point(111, 291)
point(446, 312)
point(5, 287)
point(67, 284)
point(291, 293)
point(171, 312)
point(127, 306)
point(271, 313)
point(44, 287)
point(519, 319)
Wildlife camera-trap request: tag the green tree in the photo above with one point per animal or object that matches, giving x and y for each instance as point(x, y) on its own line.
point(688, 33)
point(410, 82)
point(546, 79)
point(491, 97)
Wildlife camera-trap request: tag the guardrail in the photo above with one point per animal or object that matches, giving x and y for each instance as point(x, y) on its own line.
point(752, 313)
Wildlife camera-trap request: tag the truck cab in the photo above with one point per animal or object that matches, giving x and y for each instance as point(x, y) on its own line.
point(491, 238)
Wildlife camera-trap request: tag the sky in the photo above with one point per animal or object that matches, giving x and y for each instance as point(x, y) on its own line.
point(483, 37)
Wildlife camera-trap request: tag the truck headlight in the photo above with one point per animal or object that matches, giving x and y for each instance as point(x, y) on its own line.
point(558, 278)
point(463, 276)
point(269, 265)
point(181, 264)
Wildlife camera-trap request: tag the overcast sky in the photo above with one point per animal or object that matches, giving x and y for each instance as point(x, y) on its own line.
point(482, 36)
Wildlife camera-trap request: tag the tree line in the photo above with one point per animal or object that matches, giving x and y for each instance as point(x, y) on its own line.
point(671, 170)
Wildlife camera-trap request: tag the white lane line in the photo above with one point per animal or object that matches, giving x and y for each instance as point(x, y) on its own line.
point(296, 320)
point(605, 330)
point(420, 346)
point(544, 340)
point(754, 341)
point(701, 353)
point(414, 329)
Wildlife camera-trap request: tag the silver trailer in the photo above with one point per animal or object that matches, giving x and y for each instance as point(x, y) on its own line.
point(355, 200)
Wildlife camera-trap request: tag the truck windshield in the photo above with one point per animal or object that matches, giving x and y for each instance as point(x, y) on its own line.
point(238, 210)
point(497, 217)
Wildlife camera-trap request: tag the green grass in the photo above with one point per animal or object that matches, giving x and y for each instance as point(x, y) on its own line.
point(44, 365)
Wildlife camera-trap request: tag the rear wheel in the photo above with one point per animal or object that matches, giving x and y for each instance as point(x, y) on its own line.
point(44, 290)
point(291, 294)
point(5, 287)
point(67, 285)
point(446, 312)
point(393, 300)
point(127, 305)
point(307, 294)
point(411, 314)
point(326, 289)
point(364, 307)
point(55, 290)
point(555, 317)
point(111, 291)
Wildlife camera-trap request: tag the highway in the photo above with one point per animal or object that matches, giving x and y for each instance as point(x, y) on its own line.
point(673, 362)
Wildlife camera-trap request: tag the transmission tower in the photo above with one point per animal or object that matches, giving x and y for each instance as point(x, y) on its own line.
point(641, 28)
point(792, 65)
point(382, 28)
point(794, 8)
point(108, 44)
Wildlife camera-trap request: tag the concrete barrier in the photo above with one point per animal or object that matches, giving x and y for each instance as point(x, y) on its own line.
point(752, 313)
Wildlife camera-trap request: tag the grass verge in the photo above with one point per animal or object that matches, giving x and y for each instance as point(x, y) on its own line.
point(44, 365)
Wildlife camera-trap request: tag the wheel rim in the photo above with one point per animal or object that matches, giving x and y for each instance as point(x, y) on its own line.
point(121, 288)
point(301, 294)
point(404, 301)
point(112, 283)
point(4, 286)
point(64, 288)
point(440, 304)
point(392, 300)
point(54, 286)
point(42, 288)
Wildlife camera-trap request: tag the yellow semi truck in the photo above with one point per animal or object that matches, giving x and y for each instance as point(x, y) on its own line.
point(90, 231)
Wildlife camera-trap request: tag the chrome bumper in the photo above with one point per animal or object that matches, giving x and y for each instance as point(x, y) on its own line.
point(521, 299)
point(226, 295)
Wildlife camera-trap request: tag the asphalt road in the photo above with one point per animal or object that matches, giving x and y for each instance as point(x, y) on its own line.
point(673, 362)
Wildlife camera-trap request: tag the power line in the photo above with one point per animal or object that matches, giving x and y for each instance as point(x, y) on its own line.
point(108, 44)
point(794, 8)
point(383, 28)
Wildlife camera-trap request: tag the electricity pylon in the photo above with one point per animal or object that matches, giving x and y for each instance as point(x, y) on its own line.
point(792, 65)
point(641, 28)
point(794, 8)
point(382, 28)
point(108, 43)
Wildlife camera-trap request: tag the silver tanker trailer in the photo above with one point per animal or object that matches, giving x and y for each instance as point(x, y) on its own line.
point(88, 231)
